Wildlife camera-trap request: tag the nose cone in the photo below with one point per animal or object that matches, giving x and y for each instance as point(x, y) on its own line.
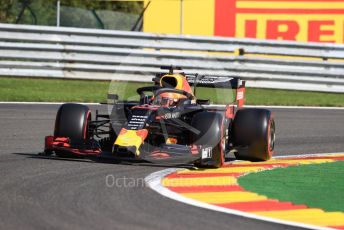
point(129, 138)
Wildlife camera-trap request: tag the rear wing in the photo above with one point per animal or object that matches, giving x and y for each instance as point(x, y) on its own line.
point(214, 81)
point(219, 82)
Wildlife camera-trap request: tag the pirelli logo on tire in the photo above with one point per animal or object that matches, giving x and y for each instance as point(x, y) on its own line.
point(296, 20)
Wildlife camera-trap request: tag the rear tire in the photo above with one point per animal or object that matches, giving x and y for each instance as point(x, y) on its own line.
point(210, 138)
point(254, 134)
point(72, 122)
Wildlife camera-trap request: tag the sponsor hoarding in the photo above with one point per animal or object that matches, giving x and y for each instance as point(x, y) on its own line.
point(298, 20)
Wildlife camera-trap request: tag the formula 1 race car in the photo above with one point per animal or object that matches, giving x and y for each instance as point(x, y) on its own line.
point(168, 124)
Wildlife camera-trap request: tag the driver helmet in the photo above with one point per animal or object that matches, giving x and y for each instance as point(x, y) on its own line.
point(175, 82)
point(170, 99)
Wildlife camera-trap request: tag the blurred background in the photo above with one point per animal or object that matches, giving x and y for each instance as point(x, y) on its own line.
point(113, 15)
point(305, 21)
point(42, 45)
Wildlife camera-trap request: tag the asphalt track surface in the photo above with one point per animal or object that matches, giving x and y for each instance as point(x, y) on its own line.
point(39, 193)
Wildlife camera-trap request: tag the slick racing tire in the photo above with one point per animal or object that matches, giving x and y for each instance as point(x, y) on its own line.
point(72, 122)
point(210, 138)
point(254, 134)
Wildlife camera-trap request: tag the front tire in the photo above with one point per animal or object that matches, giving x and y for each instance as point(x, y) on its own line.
point(72, 122)
point(211, 138)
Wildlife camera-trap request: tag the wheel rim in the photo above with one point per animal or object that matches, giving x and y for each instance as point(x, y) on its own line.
point(86, 128)
point(224, 142)
point(272, 136)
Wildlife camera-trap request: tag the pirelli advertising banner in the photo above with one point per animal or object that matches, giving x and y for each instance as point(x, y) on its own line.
point(297, 20)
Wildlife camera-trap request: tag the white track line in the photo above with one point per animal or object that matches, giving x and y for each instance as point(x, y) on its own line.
point(293, 107)
point(154, 181)
point(308, 155)
point(42, 103)
point(247, 106)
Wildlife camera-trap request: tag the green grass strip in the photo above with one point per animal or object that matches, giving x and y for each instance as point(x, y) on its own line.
point(316, 185)
point(28, 89)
